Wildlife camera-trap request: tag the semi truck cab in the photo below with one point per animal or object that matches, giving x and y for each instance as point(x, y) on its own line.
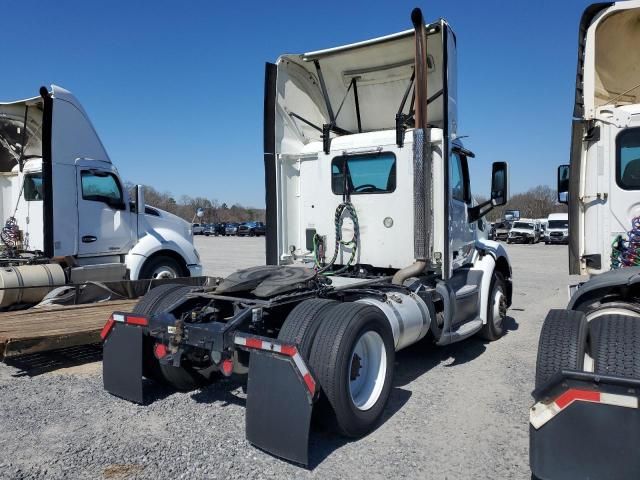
point(585, 419)
point(372, 244)
point(64, 203)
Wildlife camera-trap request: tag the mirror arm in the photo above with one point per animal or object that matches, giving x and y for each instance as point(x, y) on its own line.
point(477, 212)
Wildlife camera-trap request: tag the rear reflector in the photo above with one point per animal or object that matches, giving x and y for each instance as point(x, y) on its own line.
point(160, 350)
point(542, 412)
point(107, 328)
point(227, 367)
point(133, 320)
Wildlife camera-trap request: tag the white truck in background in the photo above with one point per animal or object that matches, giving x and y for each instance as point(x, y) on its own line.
point(557, 228)
point(65, 216)
point(585, 422)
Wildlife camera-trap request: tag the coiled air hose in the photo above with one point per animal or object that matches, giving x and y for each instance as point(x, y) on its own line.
point(626, 252)
point(353, 244)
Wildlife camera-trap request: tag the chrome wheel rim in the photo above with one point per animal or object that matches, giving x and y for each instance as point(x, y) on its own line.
point(164, 271)
point(367, 370)
point(499, 308)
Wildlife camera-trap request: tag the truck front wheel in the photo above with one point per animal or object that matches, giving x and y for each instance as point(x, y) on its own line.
point(161, 266)
point(496, 309)
point(353, 358)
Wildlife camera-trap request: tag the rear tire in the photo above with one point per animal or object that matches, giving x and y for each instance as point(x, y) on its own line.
point(154, 301)
point(301, 325)
point(562, 344)
point(353, 359)
point(615, 345)
point(182, 378)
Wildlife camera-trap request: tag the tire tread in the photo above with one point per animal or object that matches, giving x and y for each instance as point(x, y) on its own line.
point(562, 344)
point(615, 345)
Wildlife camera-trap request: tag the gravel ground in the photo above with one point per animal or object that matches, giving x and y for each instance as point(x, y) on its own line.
point(456, 412)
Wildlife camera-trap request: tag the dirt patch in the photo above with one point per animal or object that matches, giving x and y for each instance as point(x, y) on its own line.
point(80, 370)
point(121, 471)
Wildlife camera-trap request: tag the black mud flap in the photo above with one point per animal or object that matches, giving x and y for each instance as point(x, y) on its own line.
point(279, 407)
point(591, 438)
point(122, 362)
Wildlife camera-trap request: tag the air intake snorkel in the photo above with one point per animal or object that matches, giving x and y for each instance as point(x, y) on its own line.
point(421, 163)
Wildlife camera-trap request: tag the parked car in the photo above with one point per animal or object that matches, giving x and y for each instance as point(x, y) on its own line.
point(502, 230)
point(231, 229)
point(209, 229)
point(219, 228)
point(492, 231)
point(524, 231)
point(251, 229)
point(197, 228)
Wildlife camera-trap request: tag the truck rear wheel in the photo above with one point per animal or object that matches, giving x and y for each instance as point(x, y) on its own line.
point(615, 345)
point(496, 309)
point(302, 323)
point(353, 359)
point(160, 299)
point(562, 344)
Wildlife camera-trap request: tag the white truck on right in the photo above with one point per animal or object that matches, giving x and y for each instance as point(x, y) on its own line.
point(585, 422)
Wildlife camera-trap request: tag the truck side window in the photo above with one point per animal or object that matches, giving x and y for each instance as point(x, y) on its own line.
point(456, 180)
point(459, 178)
point(101, 187)
point(369, 173)
point(33, 187)
point(628, 159)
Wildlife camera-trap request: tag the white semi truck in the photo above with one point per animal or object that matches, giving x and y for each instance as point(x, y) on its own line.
point(372, 244)
point(65, 216)
point(585, 422)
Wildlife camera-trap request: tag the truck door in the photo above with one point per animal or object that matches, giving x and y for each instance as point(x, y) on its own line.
point(104, 217)
point(461, 232)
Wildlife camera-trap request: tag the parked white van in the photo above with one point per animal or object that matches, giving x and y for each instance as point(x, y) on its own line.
point(557, 228)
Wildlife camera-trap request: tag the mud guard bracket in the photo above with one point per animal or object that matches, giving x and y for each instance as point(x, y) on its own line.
point(122, 362)
point(279, 407)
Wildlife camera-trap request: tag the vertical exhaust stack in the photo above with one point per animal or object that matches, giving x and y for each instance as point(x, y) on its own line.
point(421, 164)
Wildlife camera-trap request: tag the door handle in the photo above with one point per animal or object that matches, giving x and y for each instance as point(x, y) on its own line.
point(89, 239)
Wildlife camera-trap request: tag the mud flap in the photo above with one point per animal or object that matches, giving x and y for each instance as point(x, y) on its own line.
point(590, 430)
point(279, 407)
point(122, 362)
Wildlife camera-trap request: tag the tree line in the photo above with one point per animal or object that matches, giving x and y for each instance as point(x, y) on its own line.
point(537, 202)
point(214, 210)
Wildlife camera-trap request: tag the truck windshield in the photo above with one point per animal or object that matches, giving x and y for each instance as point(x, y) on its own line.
point(628, 159)
point(370, 173)
point(526, 226)
point(558, 223)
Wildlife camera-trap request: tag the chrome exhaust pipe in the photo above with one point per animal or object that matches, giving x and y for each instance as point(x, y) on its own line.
point(422, 207)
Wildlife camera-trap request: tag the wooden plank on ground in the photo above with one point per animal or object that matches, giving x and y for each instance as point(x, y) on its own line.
point(38, 330)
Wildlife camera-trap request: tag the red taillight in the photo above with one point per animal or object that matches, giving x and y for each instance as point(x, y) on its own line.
point(107, 328)
point(227, 367)
point(160, 350)
point(141, 321)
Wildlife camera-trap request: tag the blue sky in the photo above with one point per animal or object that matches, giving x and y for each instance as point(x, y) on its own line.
point(175, 89)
